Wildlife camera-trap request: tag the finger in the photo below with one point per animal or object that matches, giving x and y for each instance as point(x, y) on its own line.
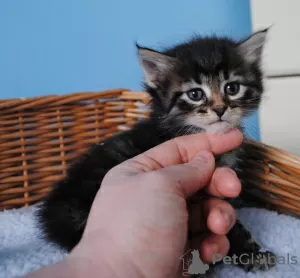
point(182, 150)
point(224, 183)
point(188, 178)
point(220, 216)
point(212, 247)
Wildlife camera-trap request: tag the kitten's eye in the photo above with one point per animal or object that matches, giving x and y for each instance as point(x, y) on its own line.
point(232, 88)
point(195, 94)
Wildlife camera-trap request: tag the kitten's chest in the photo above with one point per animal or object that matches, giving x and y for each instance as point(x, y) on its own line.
point(228, 159)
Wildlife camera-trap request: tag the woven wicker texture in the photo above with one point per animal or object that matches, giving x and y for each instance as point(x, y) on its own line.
point(270, 177)
point(40, 137)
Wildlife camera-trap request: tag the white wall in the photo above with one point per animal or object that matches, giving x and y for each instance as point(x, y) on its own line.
point(280, 111)
point(282, 50)
point(280, 114)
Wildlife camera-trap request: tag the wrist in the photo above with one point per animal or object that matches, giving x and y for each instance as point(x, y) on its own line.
point(62, 269)
point(78, 267)
point(88, 260)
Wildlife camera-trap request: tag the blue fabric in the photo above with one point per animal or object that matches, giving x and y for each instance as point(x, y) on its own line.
point(58, 47)
point(23, 251)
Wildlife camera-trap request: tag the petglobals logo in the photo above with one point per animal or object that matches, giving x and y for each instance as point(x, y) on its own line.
point(192, 263)
point(245, 259)
point(258, 260)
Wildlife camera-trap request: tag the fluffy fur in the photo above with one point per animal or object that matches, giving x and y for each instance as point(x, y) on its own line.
point(204, 84)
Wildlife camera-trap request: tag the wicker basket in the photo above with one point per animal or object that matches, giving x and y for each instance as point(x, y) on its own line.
point(39, 137)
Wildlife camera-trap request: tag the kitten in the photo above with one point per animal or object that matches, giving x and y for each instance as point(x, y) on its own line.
point(205, 84)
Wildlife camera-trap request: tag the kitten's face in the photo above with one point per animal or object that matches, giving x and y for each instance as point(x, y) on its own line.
point(206, 83)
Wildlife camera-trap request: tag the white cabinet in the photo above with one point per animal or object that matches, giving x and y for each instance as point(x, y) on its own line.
point(281, 54)
point(280, 114)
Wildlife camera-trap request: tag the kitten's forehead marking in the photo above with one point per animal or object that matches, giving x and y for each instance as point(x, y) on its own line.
point(206, 79)
point(222, 76)
point(235, 77)
point(213, 81)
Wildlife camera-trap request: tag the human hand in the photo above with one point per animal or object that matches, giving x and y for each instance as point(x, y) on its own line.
point(139, 220)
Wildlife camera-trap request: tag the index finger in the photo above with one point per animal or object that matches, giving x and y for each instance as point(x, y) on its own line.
point(183, 149)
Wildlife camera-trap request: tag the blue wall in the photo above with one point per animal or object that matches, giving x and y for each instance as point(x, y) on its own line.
point(64, 46)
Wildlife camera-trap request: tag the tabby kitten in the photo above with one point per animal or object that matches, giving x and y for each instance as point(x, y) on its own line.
point(205, 84)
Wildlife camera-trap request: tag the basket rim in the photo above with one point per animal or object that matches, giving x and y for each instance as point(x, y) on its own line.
point(53, 100)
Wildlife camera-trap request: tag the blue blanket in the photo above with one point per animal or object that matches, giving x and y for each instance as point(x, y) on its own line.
point(23, 251)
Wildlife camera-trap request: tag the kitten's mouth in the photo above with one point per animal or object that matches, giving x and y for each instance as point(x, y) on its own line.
point(220, 121)
point(219, 126)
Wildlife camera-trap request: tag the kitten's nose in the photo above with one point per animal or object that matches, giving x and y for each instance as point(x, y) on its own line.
point(220, 110)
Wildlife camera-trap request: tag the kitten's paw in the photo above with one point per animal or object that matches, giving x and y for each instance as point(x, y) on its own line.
point(262, 261)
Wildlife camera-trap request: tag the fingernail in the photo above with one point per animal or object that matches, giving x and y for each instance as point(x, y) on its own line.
point(234, 130)
point(229, 130)
point(227, 218)
point(232, 172)
point(204, 156)
point(233, 184)
point(214, 248)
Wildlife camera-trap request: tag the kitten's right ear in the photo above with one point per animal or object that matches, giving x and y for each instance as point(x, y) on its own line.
point(156, 66)
point(252, 47)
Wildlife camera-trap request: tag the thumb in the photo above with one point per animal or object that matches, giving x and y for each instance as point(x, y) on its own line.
point(190, 177)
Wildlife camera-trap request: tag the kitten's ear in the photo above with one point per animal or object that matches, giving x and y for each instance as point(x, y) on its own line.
point(252, 47)
point(156, 66)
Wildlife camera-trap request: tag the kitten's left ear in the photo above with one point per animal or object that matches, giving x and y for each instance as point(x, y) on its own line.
point(156, 66)
point(252, 47)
